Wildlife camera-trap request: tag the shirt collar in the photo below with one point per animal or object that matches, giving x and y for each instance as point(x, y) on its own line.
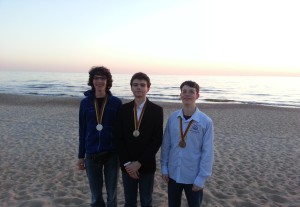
point(195, 116)
point(141, 105)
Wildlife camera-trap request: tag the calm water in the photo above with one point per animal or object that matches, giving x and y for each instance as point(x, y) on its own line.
point(278, 91)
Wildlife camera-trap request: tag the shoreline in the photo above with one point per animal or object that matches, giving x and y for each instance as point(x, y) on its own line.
point(257, 149)
point(45, 98)
point(21, 99)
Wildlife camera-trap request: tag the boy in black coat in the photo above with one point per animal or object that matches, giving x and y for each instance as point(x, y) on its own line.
point(139, 136)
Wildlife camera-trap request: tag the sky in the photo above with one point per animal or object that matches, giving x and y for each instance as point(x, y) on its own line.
point(203, 37)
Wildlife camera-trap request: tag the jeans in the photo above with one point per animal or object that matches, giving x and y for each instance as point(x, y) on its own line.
point(175, 191)
point(144, 184)
point(94, 170)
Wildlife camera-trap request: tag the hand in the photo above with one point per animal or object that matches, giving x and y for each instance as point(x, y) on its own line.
point(133, 166)
point(196, 188)
point(165, 178)
point(133, 169)
point(134, 175)
point(80, 164)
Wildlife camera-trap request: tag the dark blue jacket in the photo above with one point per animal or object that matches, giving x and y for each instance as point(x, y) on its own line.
point(92, 141)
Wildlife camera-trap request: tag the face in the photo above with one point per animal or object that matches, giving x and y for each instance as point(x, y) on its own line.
point(188, 95)
point(139, 88)
point(99, 82)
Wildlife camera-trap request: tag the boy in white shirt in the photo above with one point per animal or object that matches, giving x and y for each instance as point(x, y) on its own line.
point(187, 149)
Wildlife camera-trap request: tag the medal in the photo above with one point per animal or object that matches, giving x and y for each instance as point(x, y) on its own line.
point(136, 133)
point(99, 114)
point(99, 127)
point(182, 144)
point(137, 121)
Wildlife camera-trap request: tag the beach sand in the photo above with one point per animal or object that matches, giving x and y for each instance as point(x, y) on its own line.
point(257, 153)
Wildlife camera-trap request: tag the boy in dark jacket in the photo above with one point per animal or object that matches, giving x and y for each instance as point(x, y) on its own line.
point(97, 152)
point(139, 136)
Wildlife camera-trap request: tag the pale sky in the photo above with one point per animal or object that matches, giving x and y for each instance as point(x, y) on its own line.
point(204, 37)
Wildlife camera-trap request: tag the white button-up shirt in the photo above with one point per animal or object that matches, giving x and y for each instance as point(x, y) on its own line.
point(139, 109)
point(192, 164)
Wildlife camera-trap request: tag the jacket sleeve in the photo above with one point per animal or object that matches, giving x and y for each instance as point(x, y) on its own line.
point(82, 131)
point(115, 125)
point(120, 138)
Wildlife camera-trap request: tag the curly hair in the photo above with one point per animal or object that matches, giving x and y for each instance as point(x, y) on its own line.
point(100, 70)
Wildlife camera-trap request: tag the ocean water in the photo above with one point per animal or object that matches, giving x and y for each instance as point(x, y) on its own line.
point(274, 91)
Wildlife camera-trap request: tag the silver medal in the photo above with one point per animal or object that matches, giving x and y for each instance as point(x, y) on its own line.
point(136, 133)
point(99, 127)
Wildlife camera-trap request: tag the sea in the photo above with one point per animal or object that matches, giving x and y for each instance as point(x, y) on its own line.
point(260, 90)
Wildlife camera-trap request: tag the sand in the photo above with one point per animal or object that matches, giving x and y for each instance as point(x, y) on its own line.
point(257, 153)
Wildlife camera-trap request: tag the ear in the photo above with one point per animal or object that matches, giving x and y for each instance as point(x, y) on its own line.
point(198, 95)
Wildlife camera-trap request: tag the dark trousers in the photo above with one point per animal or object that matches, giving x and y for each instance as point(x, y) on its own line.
point(96, 169)
point(175, 192)
point(145, 186)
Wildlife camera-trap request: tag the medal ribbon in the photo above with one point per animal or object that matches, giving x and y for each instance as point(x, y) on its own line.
point(183, 135)
point(137, 122)
point(99, 116)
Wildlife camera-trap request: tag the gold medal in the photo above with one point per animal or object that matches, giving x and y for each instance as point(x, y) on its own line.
point(182, 144)
point(136, 133)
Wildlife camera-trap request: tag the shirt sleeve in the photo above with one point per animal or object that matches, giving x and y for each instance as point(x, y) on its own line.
point(207, 156)
point(120, 137)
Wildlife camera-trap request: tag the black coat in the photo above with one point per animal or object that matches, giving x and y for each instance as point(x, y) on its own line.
point(144, 147)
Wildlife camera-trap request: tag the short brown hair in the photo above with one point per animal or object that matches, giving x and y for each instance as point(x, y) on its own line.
point(191, 84)
point(141, 76)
